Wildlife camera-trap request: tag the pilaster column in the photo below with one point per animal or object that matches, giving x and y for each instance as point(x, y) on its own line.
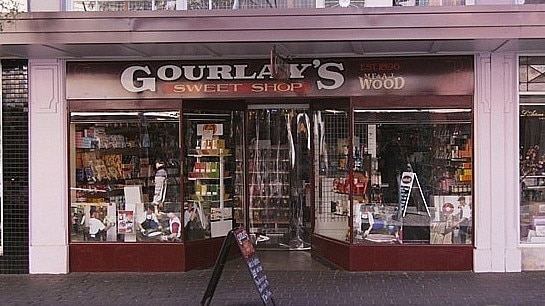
point(48, 168)
point(496, 163)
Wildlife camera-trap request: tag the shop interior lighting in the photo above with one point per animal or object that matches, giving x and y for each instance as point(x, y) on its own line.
point(430, 110)
point(334, 111)
point(147, 114)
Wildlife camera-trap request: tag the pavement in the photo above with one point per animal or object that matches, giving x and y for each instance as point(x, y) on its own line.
point(313, 284)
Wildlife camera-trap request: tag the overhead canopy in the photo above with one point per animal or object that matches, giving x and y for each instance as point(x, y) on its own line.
point(303, 33)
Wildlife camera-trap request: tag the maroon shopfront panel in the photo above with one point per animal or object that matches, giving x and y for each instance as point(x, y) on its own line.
point(394, 257)
point(143, 257)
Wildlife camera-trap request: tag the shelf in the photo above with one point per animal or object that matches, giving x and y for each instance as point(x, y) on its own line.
point(209, 201)
point(269, 208)
point(208, 155)
point(90, 203)
point(209, 178)
point(270, 222)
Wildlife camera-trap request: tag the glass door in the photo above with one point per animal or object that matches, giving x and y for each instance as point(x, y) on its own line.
point(278, 164)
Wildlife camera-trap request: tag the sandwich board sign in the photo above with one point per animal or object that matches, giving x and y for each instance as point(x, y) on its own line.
point(247, 249)
point(409, 182)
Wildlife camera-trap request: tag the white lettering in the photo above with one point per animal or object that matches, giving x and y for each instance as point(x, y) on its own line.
point(330, 76)
point(336, 79)
point(219, 72)
point(265, 71)
point(382, 83)
point(174, 71)
point(189, 75)
point(128, 81)
point(240, 73)
point(296, 73)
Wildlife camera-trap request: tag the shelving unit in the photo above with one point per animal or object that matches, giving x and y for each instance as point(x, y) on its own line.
point(209, 191)
point(453, 164)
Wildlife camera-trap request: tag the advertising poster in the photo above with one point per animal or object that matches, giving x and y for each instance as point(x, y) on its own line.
point(125, 222)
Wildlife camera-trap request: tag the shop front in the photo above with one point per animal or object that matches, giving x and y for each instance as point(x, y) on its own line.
point(366, 162)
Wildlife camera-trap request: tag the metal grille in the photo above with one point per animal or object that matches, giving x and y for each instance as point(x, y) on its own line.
point(138, 5)
point(148, 5)
point(248, 4)
point(332, 206)
point(341, 3)
point(15, 167)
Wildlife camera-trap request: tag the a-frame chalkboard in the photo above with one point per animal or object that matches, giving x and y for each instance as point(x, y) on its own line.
point(409, 182)
point(247, 249)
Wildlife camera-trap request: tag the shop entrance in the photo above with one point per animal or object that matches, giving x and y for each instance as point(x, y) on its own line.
point(278, 176)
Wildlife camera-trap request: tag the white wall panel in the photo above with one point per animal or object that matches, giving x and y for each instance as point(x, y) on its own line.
point(48, 168)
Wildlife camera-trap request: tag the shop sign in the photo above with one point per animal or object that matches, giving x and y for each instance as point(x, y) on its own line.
point(303, 77)
point(534, 113)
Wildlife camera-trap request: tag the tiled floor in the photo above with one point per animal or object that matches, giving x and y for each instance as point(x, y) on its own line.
point(284, 260)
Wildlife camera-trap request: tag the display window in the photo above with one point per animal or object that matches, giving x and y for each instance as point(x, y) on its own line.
point(532, 170)
point(532, 156)
point(213, 177)
point(125, 176)
point(393, 176)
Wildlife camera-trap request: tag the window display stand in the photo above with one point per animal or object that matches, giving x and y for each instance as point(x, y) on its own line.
point(407, 184)
point(209, 177)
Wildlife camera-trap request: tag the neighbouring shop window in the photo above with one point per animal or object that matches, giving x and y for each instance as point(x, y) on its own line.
point(532, 170)
point(405, 176)
point(532, 145)
point(125, 177)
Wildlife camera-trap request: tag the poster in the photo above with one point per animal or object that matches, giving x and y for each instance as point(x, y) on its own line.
point(125, 222)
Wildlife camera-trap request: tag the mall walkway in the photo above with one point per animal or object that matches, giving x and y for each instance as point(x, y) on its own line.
point(295, 279)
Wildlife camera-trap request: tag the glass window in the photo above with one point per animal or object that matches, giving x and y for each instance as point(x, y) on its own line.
point(213, 186)
point(532, 169)
point(404, 175)
point(532, 73)
point(125, 177)
point(532, 158)
point(122, 5)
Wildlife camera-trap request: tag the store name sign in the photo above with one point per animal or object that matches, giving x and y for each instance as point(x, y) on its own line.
point(305, 77)
point(381, 75)
point(532, 113)
point(191, 78)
